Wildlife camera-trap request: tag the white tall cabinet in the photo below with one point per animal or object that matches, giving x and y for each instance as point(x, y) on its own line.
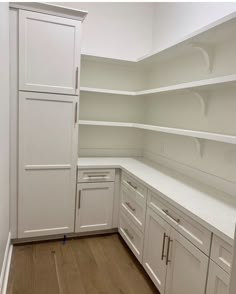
point(45, 50)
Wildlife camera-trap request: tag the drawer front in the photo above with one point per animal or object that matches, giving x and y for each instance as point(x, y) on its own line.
point(188, 227)
point(222, 253)
point(133, 206)
point(134, 185)
point(132, 236)
point(96, 175)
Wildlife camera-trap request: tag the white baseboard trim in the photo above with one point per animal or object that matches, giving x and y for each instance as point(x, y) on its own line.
point(200, 175)
point(6, 266)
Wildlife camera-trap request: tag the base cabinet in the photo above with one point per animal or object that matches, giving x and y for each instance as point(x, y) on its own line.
point(94, 206)
point(187, 267)
point(174, 264)
point(218, 280)
point(156, 237)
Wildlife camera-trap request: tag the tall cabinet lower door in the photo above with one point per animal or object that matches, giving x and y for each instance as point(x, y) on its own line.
point(48, 133)
point(187, 267)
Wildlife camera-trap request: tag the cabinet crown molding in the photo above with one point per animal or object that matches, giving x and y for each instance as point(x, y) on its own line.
point(51, 9)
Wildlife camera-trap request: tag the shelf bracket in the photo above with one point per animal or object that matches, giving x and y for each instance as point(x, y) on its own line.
point(207, 52)
point(203, 98)
point(199, 145)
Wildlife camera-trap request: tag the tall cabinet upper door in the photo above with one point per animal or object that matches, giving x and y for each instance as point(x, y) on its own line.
point(187, 266)
point(47, 163)
point(49, 53)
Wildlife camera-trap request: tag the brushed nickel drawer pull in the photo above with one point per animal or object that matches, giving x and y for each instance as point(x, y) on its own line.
point(128, 234)
point(130, 207)
point(177, 220)
point(168, 251)
point(134, 187)
point(97, 176)
point(163, 246)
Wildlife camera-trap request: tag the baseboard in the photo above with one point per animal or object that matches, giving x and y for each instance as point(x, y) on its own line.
point(218, 183)
point(6, 266)
point(61, 237)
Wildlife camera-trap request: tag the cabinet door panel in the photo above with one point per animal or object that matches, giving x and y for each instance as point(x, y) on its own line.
point(48, 53)
point(153, 260)
point(48, 138)
point(187, 267)
point(218, 280)
point(94, 206)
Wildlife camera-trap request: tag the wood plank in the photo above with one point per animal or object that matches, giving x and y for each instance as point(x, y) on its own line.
point(88, 265)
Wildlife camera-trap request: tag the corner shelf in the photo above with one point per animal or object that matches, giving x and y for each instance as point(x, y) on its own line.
point(105, 123)
point(206, 36)
point(183, 132)
point(195, 85)
point(106, 91)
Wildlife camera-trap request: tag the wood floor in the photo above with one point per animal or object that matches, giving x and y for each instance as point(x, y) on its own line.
point(91, 265)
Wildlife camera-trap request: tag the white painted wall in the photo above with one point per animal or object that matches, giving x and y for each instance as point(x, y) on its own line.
point(116, 30)
point(173, 21)
point(4, 128)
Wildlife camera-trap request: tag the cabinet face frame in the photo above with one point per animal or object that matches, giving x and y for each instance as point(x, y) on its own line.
point(51, 86)
point(105, 204)
point(57, 173)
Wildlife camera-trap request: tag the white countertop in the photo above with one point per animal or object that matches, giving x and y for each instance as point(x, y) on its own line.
point(213, 209)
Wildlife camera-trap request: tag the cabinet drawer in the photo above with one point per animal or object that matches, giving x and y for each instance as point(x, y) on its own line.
point(222, 253)
point(134, 185)
point(188, 227)
point(133, 206)
point(132, 236)
point(96, 175)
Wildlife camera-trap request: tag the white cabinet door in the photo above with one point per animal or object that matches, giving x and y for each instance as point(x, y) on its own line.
point(187, 267)
point(49, 53)
point(94, 206)
point(48, 136)
point(156, 235)
point(218, 280)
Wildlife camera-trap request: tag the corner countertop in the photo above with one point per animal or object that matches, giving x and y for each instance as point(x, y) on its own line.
point(212, 208)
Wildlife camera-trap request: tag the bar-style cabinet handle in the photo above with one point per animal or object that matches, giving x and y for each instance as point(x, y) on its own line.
point(130, 206)
point(163, 246)
point(168, 251)
point(128, 234)
point(134, 187)
point(177, 220)
point(76, 112)
point(76, 77)
point(79, 199)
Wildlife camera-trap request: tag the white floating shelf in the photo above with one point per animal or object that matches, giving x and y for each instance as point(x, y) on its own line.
point(201, 84)
point(106, 91)
point(105, 123)
point(183, 132)
point(210, 34)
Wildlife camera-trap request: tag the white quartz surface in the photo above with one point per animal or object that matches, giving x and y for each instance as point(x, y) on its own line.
point(213, 209)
